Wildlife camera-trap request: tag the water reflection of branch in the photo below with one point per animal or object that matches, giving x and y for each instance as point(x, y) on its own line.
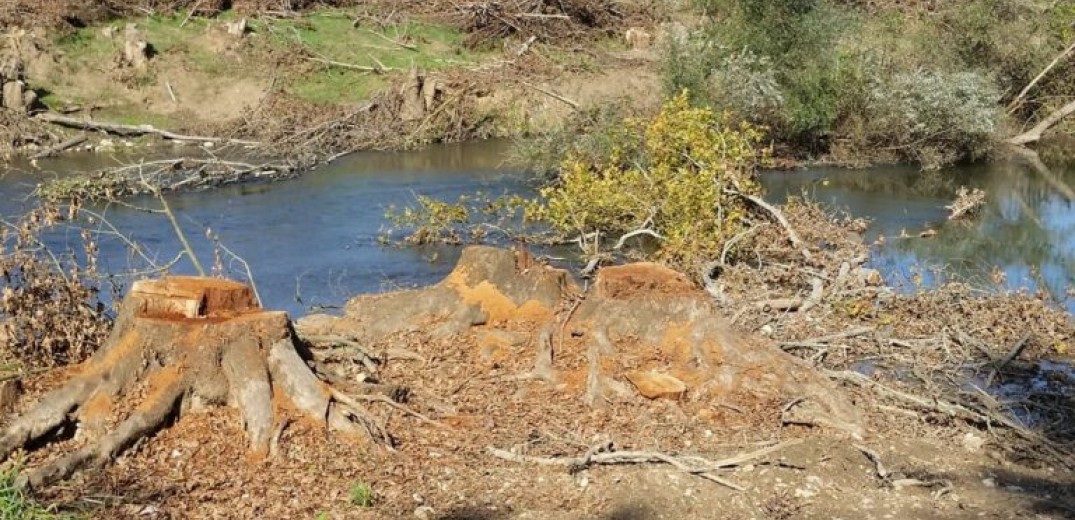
point(1035, 162)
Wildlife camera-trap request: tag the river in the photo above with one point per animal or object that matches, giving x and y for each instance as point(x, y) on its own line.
point(313, 242)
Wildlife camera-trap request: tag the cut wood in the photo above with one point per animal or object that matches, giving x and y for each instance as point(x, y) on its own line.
point(131, 130)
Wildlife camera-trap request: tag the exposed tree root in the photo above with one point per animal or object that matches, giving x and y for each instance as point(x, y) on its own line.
point(181, 343)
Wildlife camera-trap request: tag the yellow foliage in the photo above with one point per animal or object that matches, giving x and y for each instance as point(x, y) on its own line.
point(675, 174)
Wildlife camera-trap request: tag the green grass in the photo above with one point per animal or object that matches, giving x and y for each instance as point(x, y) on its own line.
point(361, 495)
point(330, 35)
point(15, 505)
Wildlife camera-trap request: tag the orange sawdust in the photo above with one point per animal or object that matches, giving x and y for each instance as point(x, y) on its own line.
point(97, 408)
point(161, 384)
point(495, 303)
point(677, 342)
point(643, 279)
point(126, 346)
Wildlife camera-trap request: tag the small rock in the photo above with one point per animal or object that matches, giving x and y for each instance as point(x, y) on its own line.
point(766, 330)
point(653, 385)
point(973, 443)
point(424, 513)
point(989, 482)
point(804, 493)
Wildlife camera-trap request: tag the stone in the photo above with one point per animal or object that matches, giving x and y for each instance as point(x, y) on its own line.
point(12, 95)
point(655, 385)
point(973, 443)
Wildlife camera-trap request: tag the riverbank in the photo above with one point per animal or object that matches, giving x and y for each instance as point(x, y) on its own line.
point(323, 81)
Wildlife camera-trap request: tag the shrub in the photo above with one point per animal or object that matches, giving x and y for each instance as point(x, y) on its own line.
point(674, 174)
point(50, 303)
point(935, 118)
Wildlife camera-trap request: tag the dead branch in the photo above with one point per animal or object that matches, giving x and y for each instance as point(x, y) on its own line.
point(638, 232)
point(1022, 94)
point(379, 69)
point(778, 215)
point(64, 146)
point(573, 104)
point(131, 130)
point(165, 175)
point(850, 333)
point(1034, 134)
point(688, 464)
point(394, 42)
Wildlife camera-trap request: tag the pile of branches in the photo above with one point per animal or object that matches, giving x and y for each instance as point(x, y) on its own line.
point(154, 177)
point(547, 20)
point(51, 308)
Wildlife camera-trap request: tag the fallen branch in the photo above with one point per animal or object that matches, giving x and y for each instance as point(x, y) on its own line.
point(1022, 94)
point(850, 333)
point(131, 130)
point(780, 219)
point(380, 69)
point(688, 464)
point(1034, 134)
point(66, 145)
point(558, 97)
point(394, 42)
point(165, 175)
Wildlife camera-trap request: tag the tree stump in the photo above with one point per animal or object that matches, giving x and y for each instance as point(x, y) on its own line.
point(641, 325)
point(180, 343)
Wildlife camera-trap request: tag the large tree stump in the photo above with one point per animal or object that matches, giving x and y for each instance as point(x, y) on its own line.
point(642, 330)
point(179, 343)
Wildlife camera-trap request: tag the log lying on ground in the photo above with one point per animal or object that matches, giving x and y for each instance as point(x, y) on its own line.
point(1034, 134)
point(132, 130)
point(177, 344)
point(643, 331)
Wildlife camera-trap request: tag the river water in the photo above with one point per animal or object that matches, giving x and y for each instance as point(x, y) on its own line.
point(313, 241)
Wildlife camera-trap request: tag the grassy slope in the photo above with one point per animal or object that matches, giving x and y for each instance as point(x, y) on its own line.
point(187, 45)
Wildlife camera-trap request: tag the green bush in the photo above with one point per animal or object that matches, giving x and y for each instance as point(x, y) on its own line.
point(674, 174)
point(883, 81)
point(935, 118)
